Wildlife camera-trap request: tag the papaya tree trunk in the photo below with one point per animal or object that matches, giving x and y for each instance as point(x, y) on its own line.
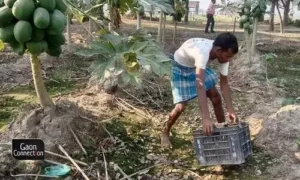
point(272, 14)
point(248, 47)
point(286, 11)
point(90, 30)
point(253, 42)
point(110, 26)
point(139, 21)
point(160, 26)
point(175, 31)
point(186, 18)
point(280, 17)
point(164, 29)
point(234, 22)
point(39, 85)
point(68, 30)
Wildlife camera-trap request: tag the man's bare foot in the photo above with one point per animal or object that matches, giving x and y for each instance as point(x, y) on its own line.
point(165, 140)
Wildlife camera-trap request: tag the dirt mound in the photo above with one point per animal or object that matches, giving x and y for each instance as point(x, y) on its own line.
point(50, 127)
point(279, 136)
point(54, 129)
point(243, 69)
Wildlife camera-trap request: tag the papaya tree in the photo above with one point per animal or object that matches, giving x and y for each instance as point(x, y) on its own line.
point(124, 59)
point(179, 6)
point(34, 28)
point(251, 12)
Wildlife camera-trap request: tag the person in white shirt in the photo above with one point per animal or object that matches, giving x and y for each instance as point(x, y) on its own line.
point(210, 12)
point(191, 77)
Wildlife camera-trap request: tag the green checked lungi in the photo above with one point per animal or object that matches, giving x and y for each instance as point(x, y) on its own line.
point(183, 81)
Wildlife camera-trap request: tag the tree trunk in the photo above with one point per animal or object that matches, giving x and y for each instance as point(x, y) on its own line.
point(286, 11)
point(164, 29)
point(253, 42)
point(186, 18)
point(234, 25)
point(248, 44)
point(39, 85)
point(69, 41)
point(90, 38)
point(272, 13)
point(150, 16)
point(160, 26)
point(175, 31)
point(138, 21)
point(281, 20)
point(110, 26)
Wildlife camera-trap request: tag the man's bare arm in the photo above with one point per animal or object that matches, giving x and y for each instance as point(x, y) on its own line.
point(226, 92)
point(200, 84)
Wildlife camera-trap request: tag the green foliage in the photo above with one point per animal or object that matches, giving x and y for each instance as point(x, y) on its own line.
point(180, 7)
point(296, 23)
point(25, 31)
point(1, 45)
point(269, 57)
point(161, 4)
point(125, 58)
point(250, 10)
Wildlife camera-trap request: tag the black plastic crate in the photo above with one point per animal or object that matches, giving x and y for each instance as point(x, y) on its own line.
point(227, 145)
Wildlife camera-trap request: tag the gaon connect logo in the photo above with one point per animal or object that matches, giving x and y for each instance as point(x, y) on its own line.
point(28, 149)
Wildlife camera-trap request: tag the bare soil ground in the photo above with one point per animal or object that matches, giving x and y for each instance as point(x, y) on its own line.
point(125, 127)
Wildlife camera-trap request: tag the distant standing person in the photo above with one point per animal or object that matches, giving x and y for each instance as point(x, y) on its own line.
point(210, 12)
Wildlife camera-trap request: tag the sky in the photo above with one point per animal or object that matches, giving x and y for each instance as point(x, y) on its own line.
point(204, 4)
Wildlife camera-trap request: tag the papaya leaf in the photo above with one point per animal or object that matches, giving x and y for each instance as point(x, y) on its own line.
point(115, 41)
point(269, 57)
point(126, 78)
point(139, 46)
point(1, 46)
point(167, 8)
point(88, 52)
point(102, 46)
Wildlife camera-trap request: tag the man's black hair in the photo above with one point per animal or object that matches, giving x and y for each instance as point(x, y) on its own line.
point(227, 41)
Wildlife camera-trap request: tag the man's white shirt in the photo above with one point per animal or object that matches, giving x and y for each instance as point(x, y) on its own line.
point(195, 53)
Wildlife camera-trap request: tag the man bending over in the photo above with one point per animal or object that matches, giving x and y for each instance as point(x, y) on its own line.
point(191, 77)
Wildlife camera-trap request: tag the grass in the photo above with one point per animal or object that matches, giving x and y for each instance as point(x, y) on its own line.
point(285, 73)
point(57, 85)
point(8, 106)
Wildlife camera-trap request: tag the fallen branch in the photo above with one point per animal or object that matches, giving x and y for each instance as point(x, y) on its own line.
point(122, 172)
point(22, 175)
point(159, 90)
point(98, 172)
point(89, 119)
point(77, 140)
point(105, 163)
point(233, 88)
point(52, 162)
point(72, 160)
point(134, 108)
point(125, 107)
point(64, 157)
point(154, 101)
point(37, 176)
point(111, 137)
point(133, 97)
point(148, 168)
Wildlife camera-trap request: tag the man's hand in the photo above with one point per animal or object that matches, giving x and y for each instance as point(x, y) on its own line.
point(208, 127)
point(233, 117)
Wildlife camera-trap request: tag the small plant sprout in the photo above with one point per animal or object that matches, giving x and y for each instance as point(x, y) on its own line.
point(268, 58)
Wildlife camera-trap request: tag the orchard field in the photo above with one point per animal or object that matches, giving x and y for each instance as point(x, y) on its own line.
point(112, 128)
